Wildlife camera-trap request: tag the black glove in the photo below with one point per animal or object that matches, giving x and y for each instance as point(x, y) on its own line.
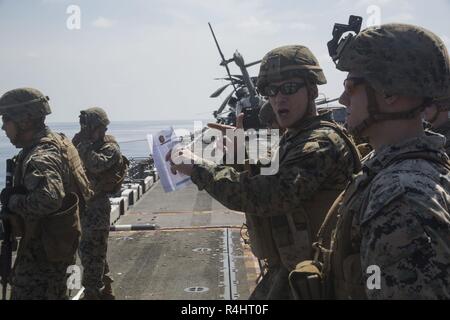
point(80, 137)
point(6, 193)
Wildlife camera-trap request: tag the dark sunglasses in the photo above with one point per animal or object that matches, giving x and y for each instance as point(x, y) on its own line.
point(287, 89)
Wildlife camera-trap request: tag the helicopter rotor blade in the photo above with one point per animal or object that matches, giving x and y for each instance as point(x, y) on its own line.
point(224, 61)
point(233, 76)
point(219, 91)
point(252, 64)
point(225, 102)
point(325, 101)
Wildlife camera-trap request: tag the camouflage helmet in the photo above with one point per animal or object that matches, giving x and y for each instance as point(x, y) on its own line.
point(266, 114)
point(289, 62)
point(24, 103)
point(399, 59)
point(94, 117)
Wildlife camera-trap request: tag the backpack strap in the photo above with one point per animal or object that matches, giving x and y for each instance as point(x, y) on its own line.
point(355, 154)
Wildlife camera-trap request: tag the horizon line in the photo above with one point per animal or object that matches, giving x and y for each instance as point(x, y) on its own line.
point(118, 121)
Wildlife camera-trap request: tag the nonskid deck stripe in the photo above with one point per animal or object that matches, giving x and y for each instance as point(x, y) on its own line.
point(187, 228)
point(229, 268)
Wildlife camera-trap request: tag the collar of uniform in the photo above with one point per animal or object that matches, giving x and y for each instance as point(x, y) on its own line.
point(38, 136)
point(100, 142)
point(381, 158)
point(305, 124)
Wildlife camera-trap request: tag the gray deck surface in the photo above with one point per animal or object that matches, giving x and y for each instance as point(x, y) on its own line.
point(196, 254)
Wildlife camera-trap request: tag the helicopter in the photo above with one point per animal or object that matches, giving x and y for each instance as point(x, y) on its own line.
point(244, 98)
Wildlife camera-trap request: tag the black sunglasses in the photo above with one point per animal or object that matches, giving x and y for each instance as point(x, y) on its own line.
point(287, 88)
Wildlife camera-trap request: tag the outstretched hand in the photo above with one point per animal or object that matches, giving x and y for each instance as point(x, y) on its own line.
point(221, 127)
point(224, 127)
point(181, 160)
point(223, 145)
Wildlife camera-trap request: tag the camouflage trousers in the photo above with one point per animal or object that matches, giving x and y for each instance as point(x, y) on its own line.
point(94, 244)
point(33, 280)
point(273, 286)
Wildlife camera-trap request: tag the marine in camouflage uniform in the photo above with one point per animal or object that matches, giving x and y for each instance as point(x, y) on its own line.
point(100, 154)
point(316, 161)
point(394, 214)
point(43, 203)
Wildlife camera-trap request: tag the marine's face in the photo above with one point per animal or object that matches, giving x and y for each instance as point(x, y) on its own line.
point(10, 129)
point(290, 103)
point(354, 98)
point(98, 133)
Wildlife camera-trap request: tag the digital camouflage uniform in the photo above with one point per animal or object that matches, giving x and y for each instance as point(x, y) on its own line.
point(258, 228)
point(315, 161)
point(47, 178)
point(394, 214)
point(98, 158)
point(42, 170)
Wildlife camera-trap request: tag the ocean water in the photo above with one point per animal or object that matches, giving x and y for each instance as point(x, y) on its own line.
point(132, 137)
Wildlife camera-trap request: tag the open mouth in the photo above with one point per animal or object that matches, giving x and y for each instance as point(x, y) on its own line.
point(283, 112)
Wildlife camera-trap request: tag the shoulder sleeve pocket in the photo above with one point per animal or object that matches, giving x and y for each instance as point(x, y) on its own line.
point(380, 196)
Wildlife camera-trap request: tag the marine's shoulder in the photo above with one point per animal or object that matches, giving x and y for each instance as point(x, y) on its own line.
point(320, 147)
point(327, 137)
point(43, 156)
point(110, 142)
point(49, 144)
point(321, 131)
point(411, 181)
point(110, 139)
point(409, 171)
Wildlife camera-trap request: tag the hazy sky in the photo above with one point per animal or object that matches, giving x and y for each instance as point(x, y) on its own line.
point(155, 59)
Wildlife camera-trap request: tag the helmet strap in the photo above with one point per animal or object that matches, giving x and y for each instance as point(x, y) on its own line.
point(311, 99)
point(435, 116)
point(372, 108)
point(376, 116)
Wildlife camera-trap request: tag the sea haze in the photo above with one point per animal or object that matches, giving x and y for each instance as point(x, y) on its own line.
point(131, 135)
